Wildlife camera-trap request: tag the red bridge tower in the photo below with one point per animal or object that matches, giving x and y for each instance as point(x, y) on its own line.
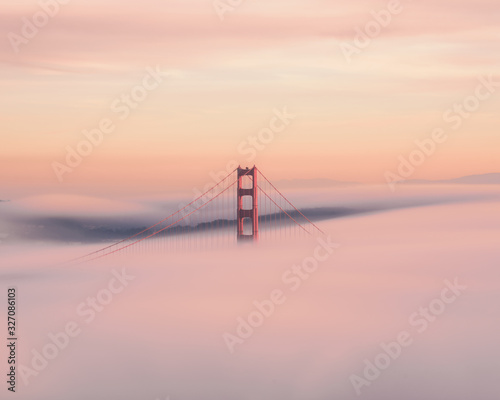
point(247, 214)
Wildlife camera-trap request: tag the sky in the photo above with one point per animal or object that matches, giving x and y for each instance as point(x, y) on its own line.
point(222, 78)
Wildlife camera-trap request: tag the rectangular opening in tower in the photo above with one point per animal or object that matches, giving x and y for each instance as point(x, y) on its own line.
point(247, 226)
point(247, 182)
point(246, 202)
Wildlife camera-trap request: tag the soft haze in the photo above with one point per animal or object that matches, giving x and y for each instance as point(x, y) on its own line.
point(162, 336)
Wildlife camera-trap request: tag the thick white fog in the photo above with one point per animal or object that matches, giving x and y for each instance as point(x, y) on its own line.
point(157, 324)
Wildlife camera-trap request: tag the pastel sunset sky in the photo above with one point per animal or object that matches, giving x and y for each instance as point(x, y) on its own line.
point(223, 81)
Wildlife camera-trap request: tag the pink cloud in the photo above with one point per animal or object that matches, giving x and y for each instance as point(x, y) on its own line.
point(183, 37)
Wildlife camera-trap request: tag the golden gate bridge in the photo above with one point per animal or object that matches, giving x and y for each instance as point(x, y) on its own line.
point(243, 206)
